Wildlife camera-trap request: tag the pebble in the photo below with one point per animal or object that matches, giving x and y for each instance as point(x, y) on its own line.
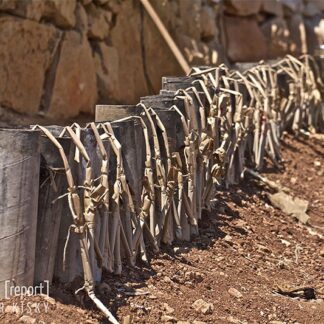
point(263, 248)
point(293, 180)
point(234, 292)
point(168, 309)
point(202, 306)
point(285, 242)
point(152, 297)
point(167, 279)
point(240, 223)
point(27, 319)
point(49, 299)
point(180, 249)
point(317, 163)
point(167, 318)
point(234, 320)
point(228, 238)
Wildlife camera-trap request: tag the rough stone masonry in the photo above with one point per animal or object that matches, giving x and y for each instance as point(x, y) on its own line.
point(61, 57)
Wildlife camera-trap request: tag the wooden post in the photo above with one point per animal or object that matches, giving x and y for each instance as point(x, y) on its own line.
point(106, 113)
point(176, 83)
point(19, 178)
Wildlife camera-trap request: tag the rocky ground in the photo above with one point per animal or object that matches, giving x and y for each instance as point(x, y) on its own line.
point(251, 264)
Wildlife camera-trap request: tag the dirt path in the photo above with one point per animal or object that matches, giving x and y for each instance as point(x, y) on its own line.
point(246, 253)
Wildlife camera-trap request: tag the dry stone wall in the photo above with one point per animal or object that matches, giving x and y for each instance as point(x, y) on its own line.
point(61, 57)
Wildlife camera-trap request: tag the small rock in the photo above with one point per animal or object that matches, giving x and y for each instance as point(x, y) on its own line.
point(240, 223)
point(167, 279)
point(167, 318)
point(81, 311)
point(152, 297)
point(293, 206)
point(317, 163)
point(228, 238)
point(285, 242)
point(322, 252)
point(49, 299)
point(168, 309)
point(27, 319)
point(180, 249)
point(201, 306)
point(234, 292)
point(293, 180)
point(282, 265)
point(183, 322)
point(263, 248)
point(234, 320)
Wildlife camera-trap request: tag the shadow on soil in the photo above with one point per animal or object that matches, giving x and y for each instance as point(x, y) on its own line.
point(114, 290)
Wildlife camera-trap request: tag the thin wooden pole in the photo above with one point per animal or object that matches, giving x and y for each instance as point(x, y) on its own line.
point(167, 37)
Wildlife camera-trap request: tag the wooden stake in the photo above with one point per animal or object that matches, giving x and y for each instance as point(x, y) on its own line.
point(165, 34)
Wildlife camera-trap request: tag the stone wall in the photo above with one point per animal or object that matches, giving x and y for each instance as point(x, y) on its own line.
point(60, 57)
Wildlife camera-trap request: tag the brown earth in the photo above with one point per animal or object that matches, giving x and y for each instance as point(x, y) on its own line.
point(247, 252)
